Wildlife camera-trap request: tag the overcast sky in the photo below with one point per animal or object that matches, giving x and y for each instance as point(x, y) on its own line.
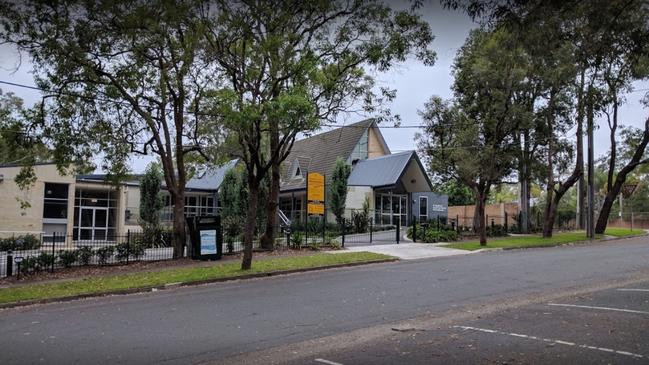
point(414, 83)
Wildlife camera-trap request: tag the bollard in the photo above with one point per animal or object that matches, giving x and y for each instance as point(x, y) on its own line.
point(128, 245)
point(10, 263)
point(398, 230)
point(53, 257)
point(414, 231)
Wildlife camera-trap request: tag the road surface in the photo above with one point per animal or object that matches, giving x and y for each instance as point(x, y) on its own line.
point(303, 317)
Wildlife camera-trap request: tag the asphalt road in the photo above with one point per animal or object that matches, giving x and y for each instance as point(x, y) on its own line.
point(295, 318)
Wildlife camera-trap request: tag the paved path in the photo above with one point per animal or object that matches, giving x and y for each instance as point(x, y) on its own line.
point(217, 321)
point(408, 251)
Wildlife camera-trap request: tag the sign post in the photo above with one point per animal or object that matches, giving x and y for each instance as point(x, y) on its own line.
point(315, 196)
point(315, 193)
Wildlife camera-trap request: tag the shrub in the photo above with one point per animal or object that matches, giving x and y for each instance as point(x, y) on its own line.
point(152, 238)
point(296, 239)
point(497, 230)
point(126, 250)
point(137, 251)
point(18, 243)
point(104, 254)
point(44, 260)
point(67, 257)
point(84, 255)
point(314, 246)
point(29, 265)
point(335, 245)
point(432, 235)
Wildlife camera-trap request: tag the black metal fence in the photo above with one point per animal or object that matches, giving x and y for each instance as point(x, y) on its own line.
point(27, 253)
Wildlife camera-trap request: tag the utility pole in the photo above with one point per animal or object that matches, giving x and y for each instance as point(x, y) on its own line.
point(591, 170)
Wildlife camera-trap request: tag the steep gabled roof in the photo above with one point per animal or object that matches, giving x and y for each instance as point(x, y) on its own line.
point(319, 153)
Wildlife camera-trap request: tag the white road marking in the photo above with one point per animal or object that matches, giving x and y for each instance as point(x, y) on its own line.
point(324, 361)
point(600, 308)
point(559, 342)
point(628, 289)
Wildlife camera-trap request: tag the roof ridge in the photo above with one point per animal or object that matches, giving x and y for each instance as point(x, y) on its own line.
point(367, 121)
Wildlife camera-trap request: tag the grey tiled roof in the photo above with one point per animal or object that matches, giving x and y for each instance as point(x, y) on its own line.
point(319, 153)
point(380, 171)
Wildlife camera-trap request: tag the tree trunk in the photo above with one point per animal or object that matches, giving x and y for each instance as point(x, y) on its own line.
point(602, 219)
point(251, 218)
point(548, 215)
point(482, 227)
point(268, 238)
point(179, 225)
point(581, 187)
point(620, 179)
point(525, 187)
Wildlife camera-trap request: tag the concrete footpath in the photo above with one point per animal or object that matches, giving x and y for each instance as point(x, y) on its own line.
point(408, 251)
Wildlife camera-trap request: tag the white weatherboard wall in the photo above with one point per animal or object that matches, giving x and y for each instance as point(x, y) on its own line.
point(356, 197)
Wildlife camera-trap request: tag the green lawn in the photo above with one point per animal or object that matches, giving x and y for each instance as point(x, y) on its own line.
point(623, 232)
point(178, 275)
point(538, 241)
point(522, 241)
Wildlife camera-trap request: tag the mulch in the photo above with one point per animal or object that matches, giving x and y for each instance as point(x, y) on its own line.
point(78, 272)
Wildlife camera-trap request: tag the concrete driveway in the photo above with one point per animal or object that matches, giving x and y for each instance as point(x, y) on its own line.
point(408, 251)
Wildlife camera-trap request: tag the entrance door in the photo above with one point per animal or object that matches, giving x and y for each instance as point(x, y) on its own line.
point(93, 223)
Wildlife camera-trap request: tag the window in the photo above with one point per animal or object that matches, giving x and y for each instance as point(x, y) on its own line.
point(360, 151)
point(55, 203)
point(423, 208)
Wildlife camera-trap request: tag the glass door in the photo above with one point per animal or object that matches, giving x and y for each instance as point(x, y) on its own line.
point(93, 223)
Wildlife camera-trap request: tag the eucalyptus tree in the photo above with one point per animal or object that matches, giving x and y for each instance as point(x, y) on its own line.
point(472, 138)
point(290, 65)
point(118, 78)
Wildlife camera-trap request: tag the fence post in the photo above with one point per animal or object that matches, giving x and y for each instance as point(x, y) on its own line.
point(371, 228)
point(53, 258)
point(457, 219)
point(398, 230)
point(324, 226)
point(10, 264)
point(506, 223)
point(306, 231)
point(343, 229)
point(128, 245)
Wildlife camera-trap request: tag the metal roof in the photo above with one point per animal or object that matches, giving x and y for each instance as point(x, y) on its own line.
point(380, 171)
point(211, 180)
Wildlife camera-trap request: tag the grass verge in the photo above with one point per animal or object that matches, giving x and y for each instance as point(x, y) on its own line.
point(623, 232)
point(116, 283)
point(538, 241)
point(522, 241)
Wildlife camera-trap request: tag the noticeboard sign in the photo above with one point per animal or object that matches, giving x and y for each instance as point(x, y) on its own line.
point(206, 237)
point(315, 208)
point(315, 187)
point(208, 241)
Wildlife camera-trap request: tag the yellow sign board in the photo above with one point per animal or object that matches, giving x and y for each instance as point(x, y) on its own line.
point(315, 187)
point(316, 208)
